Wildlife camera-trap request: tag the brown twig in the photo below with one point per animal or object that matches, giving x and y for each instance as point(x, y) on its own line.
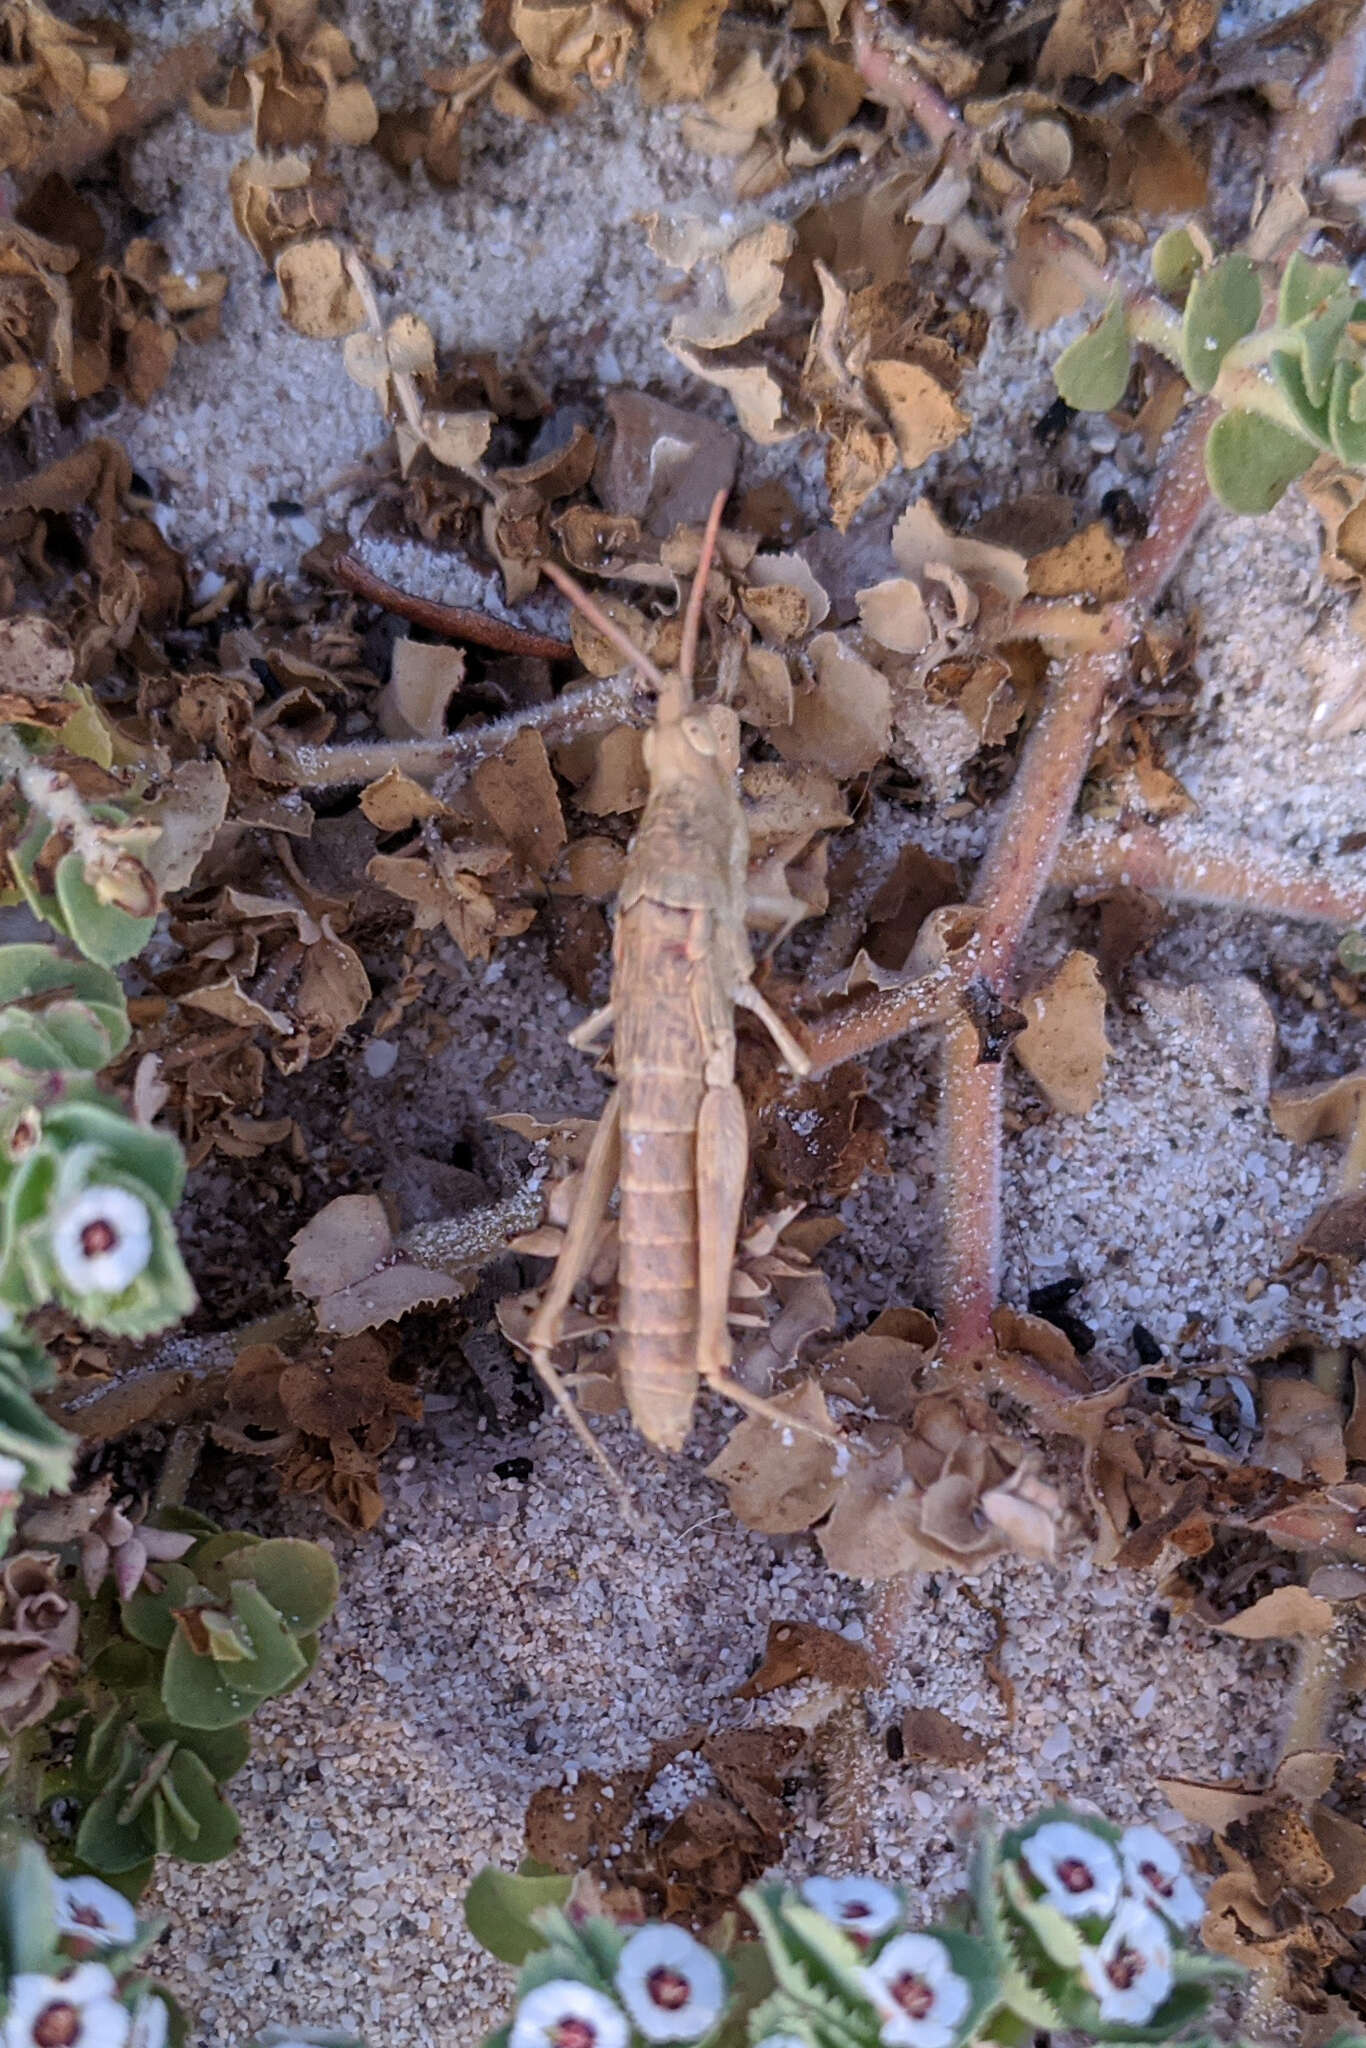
point(599, 705)
point(452, 621)
point(1209, 870)
point(1032, 825)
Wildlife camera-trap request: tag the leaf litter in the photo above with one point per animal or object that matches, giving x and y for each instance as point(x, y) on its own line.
point(288, 932)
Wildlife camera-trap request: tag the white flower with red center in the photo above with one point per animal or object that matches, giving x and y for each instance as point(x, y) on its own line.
point(1155, 1872)
point(861, 1906)
point(151, 2024)
point(1079, 1871)
point(93, 1912)
point(80, 2010)
point(102, 1240)
point(920, 1997)
point(1131, 1970)
point(673, 1988)
point(567, 2014)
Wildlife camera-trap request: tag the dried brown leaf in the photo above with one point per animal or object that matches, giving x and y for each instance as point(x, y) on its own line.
point(1063, 1046)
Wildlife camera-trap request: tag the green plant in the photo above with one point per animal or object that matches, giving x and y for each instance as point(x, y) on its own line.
point(72, 1954)
point(1289, 387)
point(184, 1630)
point(1070, 1923)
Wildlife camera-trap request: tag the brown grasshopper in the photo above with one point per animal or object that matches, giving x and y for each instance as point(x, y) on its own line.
point(673, 1134)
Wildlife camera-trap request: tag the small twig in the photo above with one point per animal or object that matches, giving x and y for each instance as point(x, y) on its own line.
point(1030, 830)
point(178, 1466)
point(452, 621)
point(1321, 108)
point(1196, 869)
point(900, 83)
point(459, 1245)
point(615, 700)
point(968, 1186)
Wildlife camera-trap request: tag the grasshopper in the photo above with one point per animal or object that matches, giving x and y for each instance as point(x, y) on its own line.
point(673, 1135)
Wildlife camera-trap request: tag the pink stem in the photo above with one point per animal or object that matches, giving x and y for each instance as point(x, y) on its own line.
point(1196, 870)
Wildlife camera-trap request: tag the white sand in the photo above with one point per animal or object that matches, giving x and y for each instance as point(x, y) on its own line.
point(492, 1633)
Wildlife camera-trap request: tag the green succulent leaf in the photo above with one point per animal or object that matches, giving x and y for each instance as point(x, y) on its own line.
point(1251, 461)
point(1176, 259)
point(104, 932)
point(29, 1921)
point(193, 1818)
point(44, 1449)
point(60, 997)
point(1092, 373)
point(1346, 425)
point(202, 1692)
point(1224, 304)
point(499, 1906)
point(1305, 287)
point(150, 1617)
point(298, 1578)
point(223, 1751)
point(1288, 372)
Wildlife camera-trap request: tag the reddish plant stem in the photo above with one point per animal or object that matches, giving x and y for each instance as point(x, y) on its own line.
point(1308, 132)
point(452, 621)
point(1207, 871)
point(968, 1187)
point(1030, 831)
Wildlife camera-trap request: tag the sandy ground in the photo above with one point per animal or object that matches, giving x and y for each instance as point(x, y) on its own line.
point(496, 1632)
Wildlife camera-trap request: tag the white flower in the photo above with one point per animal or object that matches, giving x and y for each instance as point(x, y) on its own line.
point(79, 2010)
point(151, 2024)
point(567, 2014)
point(1079, 1871)
point(673, 1988)
point(1155, 1871)
point(11, 1476)
point(1131, 1972)
point(93, 1911)
point(102, 1240)
point(918, 1993)
point(860, 1905)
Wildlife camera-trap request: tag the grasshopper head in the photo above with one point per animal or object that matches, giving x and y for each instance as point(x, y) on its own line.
point(677, 748)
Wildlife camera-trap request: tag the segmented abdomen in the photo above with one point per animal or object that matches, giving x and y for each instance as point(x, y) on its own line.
point(659, 1059)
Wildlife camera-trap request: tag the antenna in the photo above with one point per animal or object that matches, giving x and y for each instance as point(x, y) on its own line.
point(609, 629)
point(692, 618)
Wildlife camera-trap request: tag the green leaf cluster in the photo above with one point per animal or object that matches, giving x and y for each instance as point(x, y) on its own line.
point(44, 1450)
point(1271, 426)
point(174, 1675)
point(32, 1941)
point(1017, 1958)
point(61, 1137)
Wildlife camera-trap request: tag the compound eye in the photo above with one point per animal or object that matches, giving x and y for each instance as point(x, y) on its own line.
point(701, 733)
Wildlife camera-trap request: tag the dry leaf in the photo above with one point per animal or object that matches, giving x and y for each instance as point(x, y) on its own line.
point(796, 1650)
point(780, 1481)
point(1289, 1611)
point(396, 803)
point(927, 1733)
point(416, 699)
point(752, 389)
point(516, 791)
point(843, 723)
point(923, 416)
point(1063, 1047)
point(316, 295)
point(680, 51)
point(894, 614)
